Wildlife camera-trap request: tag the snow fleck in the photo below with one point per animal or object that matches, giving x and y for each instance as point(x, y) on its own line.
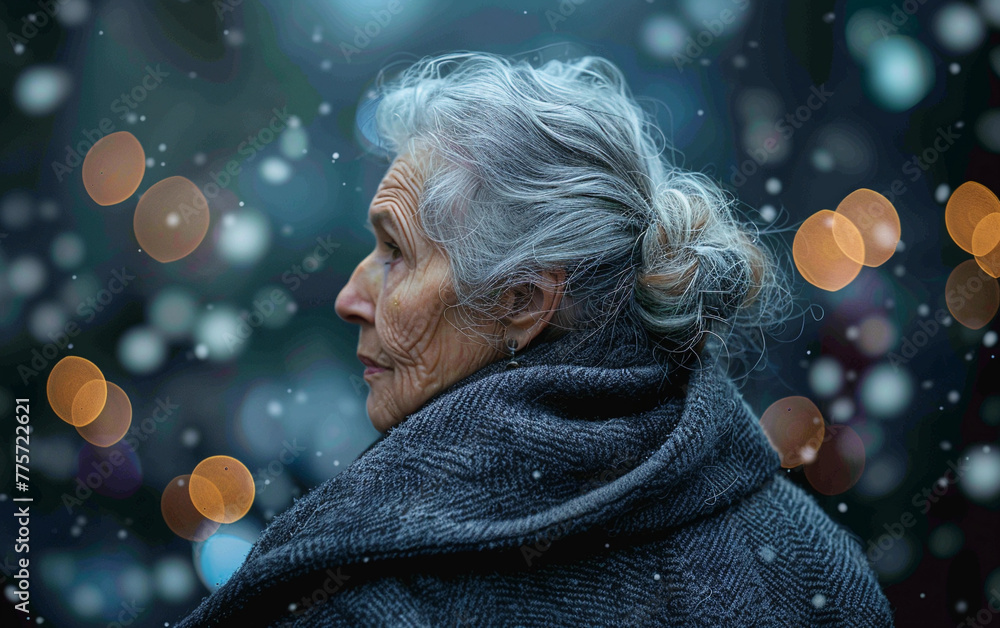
point(767, 554)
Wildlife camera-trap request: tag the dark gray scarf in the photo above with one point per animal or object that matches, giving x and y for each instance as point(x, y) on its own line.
point(589, 449)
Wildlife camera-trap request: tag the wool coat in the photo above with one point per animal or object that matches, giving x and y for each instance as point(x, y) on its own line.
point(592, 485)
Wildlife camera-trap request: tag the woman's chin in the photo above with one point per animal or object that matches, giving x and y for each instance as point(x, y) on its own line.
point(377, 416)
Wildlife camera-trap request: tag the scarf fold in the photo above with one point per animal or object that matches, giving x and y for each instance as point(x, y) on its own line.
point(593, 431)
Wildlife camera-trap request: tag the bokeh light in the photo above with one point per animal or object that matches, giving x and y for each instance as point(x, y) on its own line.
point(895, 561)
point(845, 148)
point(41, 89)
point(876, 335)
point(222, 489)
point(701, 12)
point(988, 124)
point(959, 28)
point(877, 221)
point(217, 330)
point(67, 250)
point(945, 540)
point(839, 463)
point(884, 473)
point(275, 170)
point(181, 515)
point(991, 11)
point(55, 456)
point(828, 250)
point(886, 391)
point(142, 350)
point(174, 579)
point(663, 36)
point(986, 244)
point(244, 237)
point(967, 206)
point(16, 211)
point(872, 435)
point(218, 558)
point(841, 410)
point(26, 276)
point(173, 311)
point(862, 30)
point(113, 168)
point(972, 296)
point(171, 219)
point(294, 142)
point(113, 422)
point(826, 377)
point(365, 128)
point(284, 306)
point(47, 321)
point(900, 72)
point(794, 427)
point(981, 478)
point(73, 13)
point(66, 381)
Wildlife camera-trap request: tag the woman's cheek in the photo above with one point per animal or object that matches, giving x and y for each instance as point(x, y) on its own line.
point(413, 325)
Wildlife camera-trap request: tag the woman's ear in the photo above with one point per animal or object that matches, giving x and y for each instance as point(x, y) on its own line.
point(534, 305)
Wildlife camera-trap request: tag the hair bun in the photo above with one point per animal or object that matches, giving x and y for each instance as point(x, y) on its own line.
point(699, 269)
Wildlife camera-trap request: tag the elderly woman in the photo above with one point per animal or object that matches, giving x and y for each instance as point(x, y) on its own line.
point(560, 446)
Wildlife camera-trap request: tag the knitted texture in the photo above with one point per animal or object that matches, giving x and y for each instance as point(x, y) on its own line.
point(591, 486)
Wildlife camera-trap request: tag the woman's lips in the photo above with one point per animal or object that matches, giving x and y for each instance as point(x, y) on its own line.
point(372, 366)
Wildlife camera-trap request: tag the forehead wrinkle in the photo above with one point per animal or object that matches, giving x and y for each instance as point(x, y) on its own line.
point(398, 194)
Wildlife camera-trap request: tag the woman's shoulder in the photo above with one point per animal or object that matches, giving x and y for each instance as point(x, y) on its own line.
point(779, 547)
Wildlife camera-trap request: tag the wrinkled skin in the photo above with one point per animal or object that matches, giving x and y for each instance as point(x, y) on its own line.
point(402, 298)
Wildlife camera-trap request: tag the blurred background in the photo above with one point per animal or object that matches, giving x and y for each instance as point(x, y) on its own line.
point(236, 350)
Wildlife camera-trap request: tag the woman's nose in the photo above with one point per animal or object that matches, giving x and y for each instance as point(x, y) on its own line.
point(354, 303)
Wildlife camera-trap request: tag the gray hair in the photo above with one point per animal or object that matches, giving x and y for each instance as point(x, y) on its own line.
point(528, 169)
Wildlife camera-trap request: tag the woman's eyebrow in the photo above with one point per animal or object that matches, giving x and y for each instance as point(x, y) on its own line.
point(383, 219)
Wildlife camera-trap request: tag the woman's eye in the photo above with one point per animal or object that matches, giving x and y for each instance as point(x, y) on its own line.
point(394, 250)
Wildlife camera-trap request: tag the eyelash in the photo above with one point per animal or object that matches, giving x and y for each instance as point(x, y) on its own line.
point(394, 249)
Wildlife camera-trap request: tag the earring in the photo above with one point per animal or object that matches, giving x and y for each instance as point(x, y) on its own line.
point(512, 347)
